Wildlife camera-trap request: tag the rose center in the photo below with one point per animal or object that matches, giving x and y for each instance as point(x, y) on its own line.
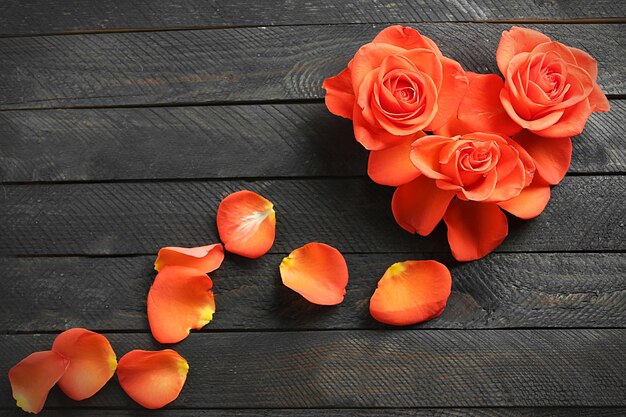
point(479, 158)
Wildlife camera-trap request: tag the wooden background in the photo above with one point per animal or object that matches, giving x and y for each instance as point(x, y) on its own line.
point(124, 123)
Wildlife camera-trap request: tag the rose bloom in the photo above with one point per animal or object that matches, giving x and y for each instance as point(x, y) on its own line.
point(396, 86)
point(465, 180)
point(549, 88)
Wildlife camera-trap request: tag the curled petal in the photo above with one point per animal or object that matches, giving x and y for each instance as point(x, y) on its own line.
point(92, 362)
point(411, 292)
point(316, 271)
point(339, 95)
point(393, 166)
point(481, 109)
point(33, 378)
point(453, 87)
point(474, 229)
point(204, 258)
point(246, 223)
point(152, 379)
point(405, 37)
point(419, 205)
point(514, 41)
point(571, 122)
point(598, 101)
point(530, 202)
point(552, 156)
point(179, 300)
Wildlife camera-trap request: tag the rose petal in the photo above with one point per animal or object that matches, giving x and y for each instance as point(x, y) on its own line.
point(419, 205)
point(453, 88)
point(598, 101)
point(571, 123)
point(552, 156)
point(33, 378)
point(393, 166)
point(246, 223)
point(316, 271)
point(339, 94)
point(481, 109)
point(203, 258)
point(152, 379)
point(92, 362)
point(474, 229)
point(530, 202)
point(179, 300)
point(426, 153)
point(411, 292)
point(405, 37)
point(368, 58)
point(514, 41)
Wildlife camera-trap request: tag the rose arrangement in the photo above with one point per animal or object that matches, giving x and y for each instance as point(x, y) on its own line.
point(492, 144)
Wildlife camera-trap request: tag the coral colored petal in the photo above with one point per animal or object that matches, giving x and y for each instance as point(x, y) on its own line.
point(474, 229)
point(393, 166)
point(453, 89)
point(339, 95)
point(204, 258)
point(598, 101)
point(419, 205)
point(405, 37)
point(92, 362)
point(481, 109)
point(152, 379)
point(411, 292)
point(316, 271)
point(33, 378)
point(179, 300)
point(246, 223)
point(552, 156)
point(571, 123)
point(530, 202)
point(515, 41)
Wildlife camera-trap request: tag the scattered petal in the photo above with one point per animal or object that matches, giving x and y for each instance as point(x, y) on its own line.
point(204, 258)
point(179, 300)
point(246, 223)
point(92, 362)
point(316, 271)
point(411, 292)
point(33, 378)
point(152, 378)
point(474, 229)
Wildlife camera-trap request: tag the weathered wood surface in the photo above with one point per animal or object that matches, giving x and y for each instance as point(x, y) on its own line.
point(586, 213)
point(275, 140)
point(243, 64)
point(423, 368)
point(501, 291)
point(59, 16)
point(349, 412)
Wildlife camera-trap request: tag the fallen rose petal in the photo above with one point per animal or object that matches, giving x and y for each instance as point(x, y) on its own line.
point(152, 378)
point(393, 166)
point(204, 258)
point(316, 271)
point(420, 205)
point(474, 229)
point(179, 300)
point(411, 292)
point(246, 223)
point(33, 378)
point(92, 362)
point(552, 156)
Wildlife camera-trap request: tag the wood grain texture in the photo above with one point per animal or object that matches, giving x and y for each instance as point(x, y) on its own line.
point(501, 291)
point(57, 16)
point(585, 213)
point(277, 140)
point(420, 368)
point(389, 412)
point(244, 64)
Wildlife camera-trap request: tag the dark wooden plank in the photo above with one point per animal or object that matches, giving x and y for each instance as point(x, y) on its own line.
point(56, 16)
point(501, 291)
point(352, 412)
point(222, 141)
point(586, 213)
point(423, 368)
point(244, 64)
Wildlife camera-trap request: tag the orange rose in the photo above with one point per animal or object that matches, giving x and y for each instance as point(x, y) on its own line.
point(396, 86)
point(549, 89)
point(486, 172)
